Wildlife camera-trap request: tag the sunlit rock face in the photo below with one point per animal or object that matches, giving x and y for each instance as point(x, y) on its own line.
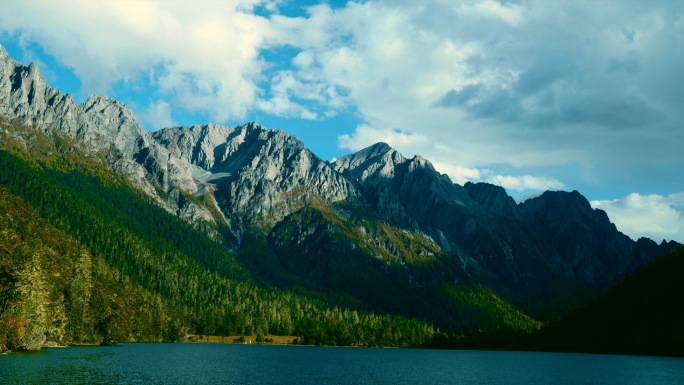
point(255, 170)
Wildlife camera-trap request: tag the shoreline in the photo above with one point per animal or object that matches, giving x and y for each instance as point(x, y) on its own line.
point(241, 340)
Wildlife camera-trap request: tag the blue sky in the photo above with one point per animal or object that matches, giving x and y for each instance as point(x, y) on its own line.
point(531, 95)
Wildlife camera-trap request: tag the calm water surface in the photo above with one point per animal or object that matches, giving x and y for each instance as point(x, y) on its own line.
point(256, 364)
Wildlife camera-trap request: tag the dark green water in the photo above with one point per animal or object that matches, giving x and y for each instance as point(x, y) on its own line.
point(252, 364)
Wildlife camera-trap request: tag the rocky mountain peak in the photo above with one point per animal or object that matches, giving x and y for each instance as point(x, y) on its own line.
point(418, 162)
point(22, 77)
point(377, 149)
point(493, 198)
point(112, 124)
point(265, 167)
point(377, 161)
point(570, 211)
point(99, 124)
point(105, 104)
point(562, 203)
point(375, 152)
point(34, 71)
point(214, 146)
point(24, 94)
point(250, 169)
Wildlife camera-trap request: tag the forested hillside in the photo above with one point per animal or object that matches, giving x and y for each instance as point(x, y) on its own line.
point(53, 289)
point(141, 274)
point(642, 315)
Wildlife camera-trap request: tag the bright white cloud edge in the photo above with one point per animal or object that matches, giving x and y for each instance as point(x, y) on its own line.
point(412, 143)
point(653, 216)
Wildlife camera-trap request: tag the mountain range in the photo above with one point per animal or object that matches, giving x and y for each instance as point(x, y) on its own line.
point(372, 231)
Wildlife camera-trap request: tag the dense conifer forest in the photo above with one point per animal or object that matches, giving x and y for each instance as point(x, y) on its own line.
point(87, 260)
point(641, 315)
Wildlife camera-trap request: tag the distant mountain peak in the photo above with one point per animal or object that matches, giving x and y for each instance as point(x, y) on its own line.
point(559, 199)
point(492, 197)
point(378, 150)
point(380, 147)
point(377, 160)
point(94, 100)
point(380, 160)
point(115, 110)
point(420, 162)
point(253, 125)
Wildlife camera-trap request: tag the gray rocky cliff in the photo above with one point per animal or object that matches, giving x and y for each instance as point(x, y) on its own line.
point(25, 95)
point(102, 125)
point(493, 198)
point(253, 170)
point(411, 193)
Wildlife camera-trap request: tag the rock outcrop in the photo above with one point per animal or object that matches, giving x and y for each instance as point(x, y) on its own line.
point(252, 170)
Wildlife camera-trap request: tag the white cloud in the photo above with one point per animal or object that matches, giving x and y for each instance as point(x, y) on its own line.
point(204, 57)
point(458, 174)
point(157, 115)
point(526, 182)
point(365, 135)
point(512, 183)
point(510, 13)
point(654, 216)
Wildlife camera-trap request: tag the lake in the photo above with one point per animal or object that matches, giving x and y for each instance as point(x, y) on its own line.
point(266, 364)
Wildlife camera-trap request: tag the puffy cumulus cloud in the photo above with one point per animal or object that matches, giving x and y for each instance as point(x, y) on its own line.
point(286, 91)
point(511, 13)
point(654, 216)
point(458, 174)
point(202, 57)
